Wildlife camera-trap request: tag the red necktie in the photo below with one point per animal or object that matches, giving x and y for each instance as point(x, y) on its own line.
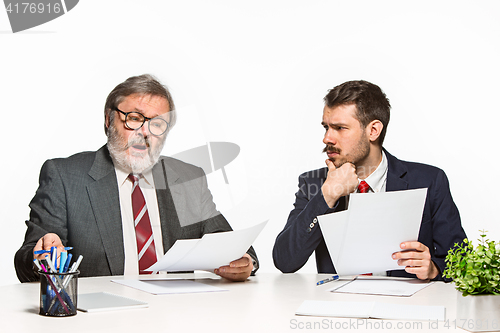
point(145, 243)
point(363, 187)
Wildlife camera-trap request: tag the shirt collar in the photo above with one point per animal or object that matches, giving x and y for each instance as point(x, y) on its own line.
point(122, 176)
point(377, 179)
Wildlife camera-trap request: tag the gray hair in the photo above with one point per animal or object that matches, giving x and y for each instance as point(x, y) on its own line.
point(145, 84)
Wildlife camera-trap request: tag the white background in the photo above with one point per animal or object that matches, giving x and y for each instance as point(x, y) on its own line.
point(254, 73)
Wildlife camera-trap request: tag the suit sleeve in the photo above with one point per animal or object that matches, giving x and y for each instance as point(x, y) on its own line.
point(48, 214)
point(446, 224)
point(301, 234)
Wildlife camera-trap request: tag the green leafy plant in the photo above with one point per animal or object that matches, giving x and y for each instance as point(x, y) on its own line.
point(475, 271)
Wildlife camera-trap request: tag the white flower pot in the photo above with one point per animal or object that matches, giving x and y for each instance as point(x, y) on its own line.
point(478, 313)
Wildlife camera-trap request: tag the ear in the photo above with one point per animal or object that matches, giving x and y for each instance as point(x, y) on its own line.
point(107, 121)
point(374, 129)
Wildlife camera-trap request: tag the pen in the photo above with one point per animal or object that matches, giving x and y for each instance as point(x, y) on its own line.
point(48, 251)
point(73, 269)
point(51, 265)
point(66, 265)
point(53, 257)
point(330, 279)
point(62, 261)
point(37, 263)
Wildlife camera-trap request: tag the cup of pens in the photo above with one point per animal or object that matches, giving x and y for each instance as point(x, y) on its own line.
point(58, 284)
point(58, 293)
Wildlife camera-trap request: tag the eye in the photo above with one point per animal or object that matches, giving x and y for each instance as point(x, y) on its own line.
point(134, 118)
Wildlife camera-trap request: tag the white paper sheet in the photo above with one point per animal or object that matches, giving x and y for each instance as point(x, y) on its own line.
point(363, 238)
point(168, 286)
point(209, 252)
point(387, 287)
point(376, 310)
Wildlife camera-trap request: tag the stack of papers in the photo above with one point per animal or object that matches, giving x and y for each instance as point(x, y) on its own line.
point(381, 286)
point(371, 310)
point(363, 238)
point(209, 252)
point(103, 301)
point(167, 286)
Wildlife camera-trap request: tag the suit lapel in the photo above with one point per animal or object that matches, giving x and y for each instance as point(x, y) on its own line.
point(165, 177)
point(105, 202)
point(396, 174)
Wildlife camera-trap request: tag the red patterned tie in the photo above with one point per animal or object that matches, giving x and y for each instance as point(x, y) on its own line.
point(144, 234)
point(363, 187)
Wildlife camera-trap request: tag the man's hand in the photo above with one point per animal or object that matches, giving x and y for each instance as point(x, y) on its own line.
point(45, 243)
point(238, 270)
point(417, 260)
point(339, 182)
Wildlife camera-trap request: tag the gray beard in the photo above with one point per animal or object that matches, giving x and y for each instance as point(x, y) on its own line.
point(132, 163)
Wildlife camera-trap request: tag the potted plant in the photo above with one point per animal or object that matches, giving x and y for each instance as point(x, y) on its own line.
point(476, 274)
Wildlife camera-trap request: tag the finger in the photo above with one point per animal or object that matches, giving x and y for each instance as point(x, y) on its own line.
point(242, 262)
point(233, 274)
point(38, 245)
point(46, 243)
point(417, 270)
point(411, 255)
point(330, 165)
point(411, 262)
point(413, 245)
point(232, 270)
point(234, 277)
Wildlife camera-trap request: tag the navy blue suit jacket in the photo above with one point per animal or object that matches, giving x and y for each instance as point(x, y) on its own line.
point(439, 231)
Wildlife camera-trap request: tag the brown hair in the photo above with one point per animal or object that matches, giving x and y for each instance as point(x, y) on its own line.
point(371, 102)
point(145, 84)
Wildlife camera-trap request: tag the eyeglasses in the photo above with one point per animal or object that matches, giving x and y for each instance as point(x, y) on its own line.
point(135, 120)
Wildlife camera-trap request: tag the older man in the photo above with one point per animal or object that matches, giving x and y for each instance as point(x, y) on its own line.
point(355, 119)
point(123, 206)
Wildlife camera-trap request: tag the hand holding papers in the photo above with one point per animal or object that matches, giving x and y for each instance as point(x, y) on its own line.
point(363, 238)
point(208, 253)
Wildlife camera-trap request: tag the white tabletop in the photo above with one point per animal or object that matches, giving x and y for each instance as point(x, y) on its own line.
point(264, 303)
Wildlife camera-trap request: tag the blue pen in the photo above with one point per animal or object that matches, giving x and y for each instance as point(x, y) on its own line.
point(49, 251)
point(66, 265)
point(41, 252)
point(330, 279)
point(62, 261)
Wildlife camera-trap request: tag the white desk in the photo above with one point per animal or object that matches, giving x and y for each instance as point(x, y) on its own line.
point(264, 303)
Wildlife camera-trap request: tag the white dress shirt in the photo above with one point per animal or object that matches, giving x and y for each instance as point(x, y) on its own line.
point(378, 178)
point(146, 184)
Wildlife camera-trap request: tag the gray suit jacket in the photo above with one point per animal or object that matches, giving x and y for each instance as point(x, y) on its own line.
point(78, 199)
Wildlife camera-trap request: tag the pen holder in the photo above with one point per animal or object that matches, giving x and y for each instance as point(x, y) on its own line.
point(58, 294)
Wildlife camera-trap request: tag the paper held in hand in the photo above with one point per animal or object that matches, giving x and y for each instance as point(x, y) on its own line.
point(209, 252)
point(363, 238)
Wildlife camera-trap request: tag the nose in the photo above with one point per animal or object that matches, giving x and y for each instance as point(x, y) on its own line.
point(329, 137)
point(144, 130)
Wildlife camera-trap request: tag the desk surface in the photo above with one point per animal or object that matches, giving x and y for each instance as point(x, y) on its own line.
point(264, 303)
